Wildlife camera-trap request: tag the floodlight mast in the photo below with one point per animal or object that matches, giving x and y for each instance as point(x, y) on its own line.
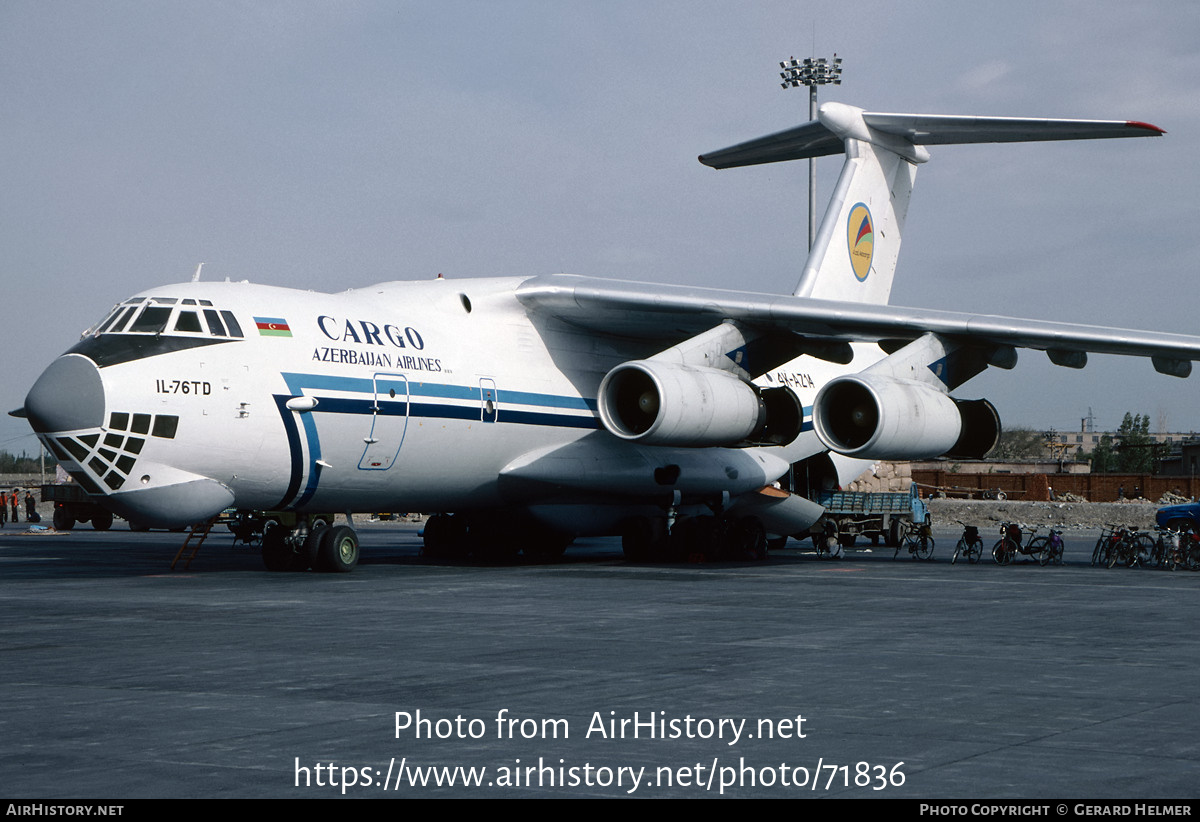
point(812, 72)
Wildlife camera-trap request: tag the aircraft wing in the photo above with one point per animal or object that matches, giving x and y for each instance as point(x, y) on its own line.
point(666, 313)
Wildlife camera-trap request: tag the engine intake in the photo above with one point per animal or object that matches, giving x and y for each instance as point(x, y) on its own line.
point(658, 403)
point(875, 417)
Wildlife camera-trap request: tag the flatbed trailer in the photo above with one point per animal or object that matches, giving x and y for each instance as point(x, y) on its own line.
point(879, 516)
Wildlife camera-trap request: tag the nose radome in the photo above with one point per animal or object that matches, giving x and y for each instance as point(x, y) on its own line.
point(69, 395)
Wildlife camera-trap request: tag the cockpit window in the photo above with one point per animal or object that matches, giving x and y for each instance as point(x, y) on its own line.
point(151, 321)
point(142, 327)
point(231, 322)
point(214, 322)
point(121, 323)
point(188, 321)
point(109, 320)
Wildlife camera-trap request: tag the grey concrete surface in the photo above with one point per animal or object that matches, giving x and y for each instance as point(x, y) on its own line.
point(122, 679)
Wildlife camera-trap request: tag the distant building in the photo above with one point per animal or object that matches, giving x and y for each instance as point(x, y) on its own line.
point(1183, 460)
point(1081, 442)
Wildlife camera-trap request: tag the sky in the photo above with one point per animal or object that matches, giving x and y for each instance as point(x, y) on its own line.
point(331, 145)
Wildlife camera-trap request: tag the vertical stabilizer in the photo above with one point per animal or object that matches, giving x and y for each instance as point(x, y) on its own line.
point(854, 255)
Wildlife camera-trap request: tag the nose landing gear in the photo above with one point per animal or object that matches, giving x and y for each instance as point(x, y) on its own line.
point(320, 547)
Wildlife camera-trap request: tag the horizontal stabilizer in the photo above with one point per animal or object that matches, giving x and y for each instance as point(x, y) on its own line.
point(825, 136)
point(809, 140)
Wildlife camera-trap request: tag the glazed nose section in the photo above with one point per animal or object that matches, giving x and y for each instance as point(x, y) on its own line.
point(68, 396)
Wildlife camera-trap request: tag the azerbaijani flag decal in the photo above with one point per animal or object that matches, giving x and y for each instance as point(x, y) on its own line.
point(273, 327)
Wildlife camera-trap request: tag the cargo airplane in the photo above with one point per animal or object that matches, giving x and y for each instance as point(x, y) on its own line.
point(523, 412)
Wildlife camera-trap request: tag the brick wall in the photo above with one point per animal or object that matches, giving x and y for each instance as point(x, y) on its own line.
point(1093, 487)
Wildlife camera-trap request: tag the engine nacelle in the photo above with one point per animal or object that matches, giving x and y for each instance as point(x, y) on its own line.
point(870, 416)
point(658, 403)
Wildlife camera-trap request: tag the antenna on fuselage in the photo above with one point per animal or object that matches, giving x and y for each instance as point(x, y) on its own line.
point(196, 276)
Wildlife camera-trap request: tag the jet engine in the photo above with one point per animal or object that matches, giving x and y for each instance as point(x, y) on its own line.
point(660, 403)
point(871, 416)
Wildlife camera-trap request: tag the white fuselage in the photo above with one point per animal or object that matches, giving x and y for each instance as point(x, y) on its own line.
point(409, 396)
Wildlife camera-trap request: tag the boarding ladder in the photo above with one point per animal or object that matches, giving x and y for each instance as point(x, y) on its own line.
point(200, 532)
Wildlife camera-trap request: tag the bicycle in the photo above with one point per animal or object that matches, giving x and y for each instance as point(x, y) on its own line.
point(1177, 549)
point(1133, 549)
point(1189, 550)
point(1169, 549)
point(828, 543)
point(970, 545)
point(1051, 548)
point(1009, 545)
point(1110, 537)
point(918, 539)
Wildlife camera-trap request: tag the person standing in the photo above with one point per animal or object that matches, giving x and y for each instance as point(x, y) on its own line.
point(16, 501)
point(31, 514)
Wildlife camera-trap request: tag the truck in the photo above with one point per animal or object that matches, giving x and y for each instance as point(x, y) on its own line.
point(72, 504)
point(877, 515)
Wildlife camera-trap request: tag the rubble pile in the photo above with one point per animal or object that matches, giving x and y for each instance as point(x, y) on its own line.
point(1073, 516)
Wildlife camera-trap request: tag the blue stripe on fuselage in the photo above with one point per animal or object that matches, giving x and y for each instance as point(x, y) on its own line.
point(411, 406)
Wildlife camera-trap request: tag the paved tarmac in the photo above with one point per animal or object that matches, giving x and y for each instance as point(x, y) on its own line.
point(122, 679)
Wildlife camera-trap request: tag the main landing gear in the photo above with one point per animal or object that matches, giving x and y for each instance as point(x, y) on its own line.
point(646, 539)
point(643, 538)
point(316, 545)
point(491, 539)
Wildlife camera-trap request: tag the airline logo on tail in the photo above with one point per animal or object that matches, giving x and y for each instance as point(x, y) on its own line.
point(861, 240)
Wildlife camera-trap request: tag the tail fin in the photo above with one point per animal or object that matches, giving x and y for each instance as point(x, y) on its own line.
point(854, 254)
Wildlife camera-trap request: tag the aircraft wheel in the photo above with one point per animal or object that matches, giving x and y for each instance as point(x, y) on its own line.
point(696, 537)
point(643, 537)
point(445, 537)
point(748, 539)
point(683, 539)
point(497, 548)
point(307, 556)
point(544, 545)
point(276, 553)
point(339, 549)
point(63, 521)
point(547, 550)
point(102, 521)
point(491, 540)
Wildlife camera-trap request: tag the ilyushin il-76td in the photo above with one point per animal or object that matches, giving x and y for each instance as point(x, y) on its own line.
point(523, 412)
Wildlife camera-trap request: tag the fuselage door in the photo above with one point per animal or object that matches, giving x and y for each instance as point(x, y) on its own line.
point(389, 421)
point(489, 400)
